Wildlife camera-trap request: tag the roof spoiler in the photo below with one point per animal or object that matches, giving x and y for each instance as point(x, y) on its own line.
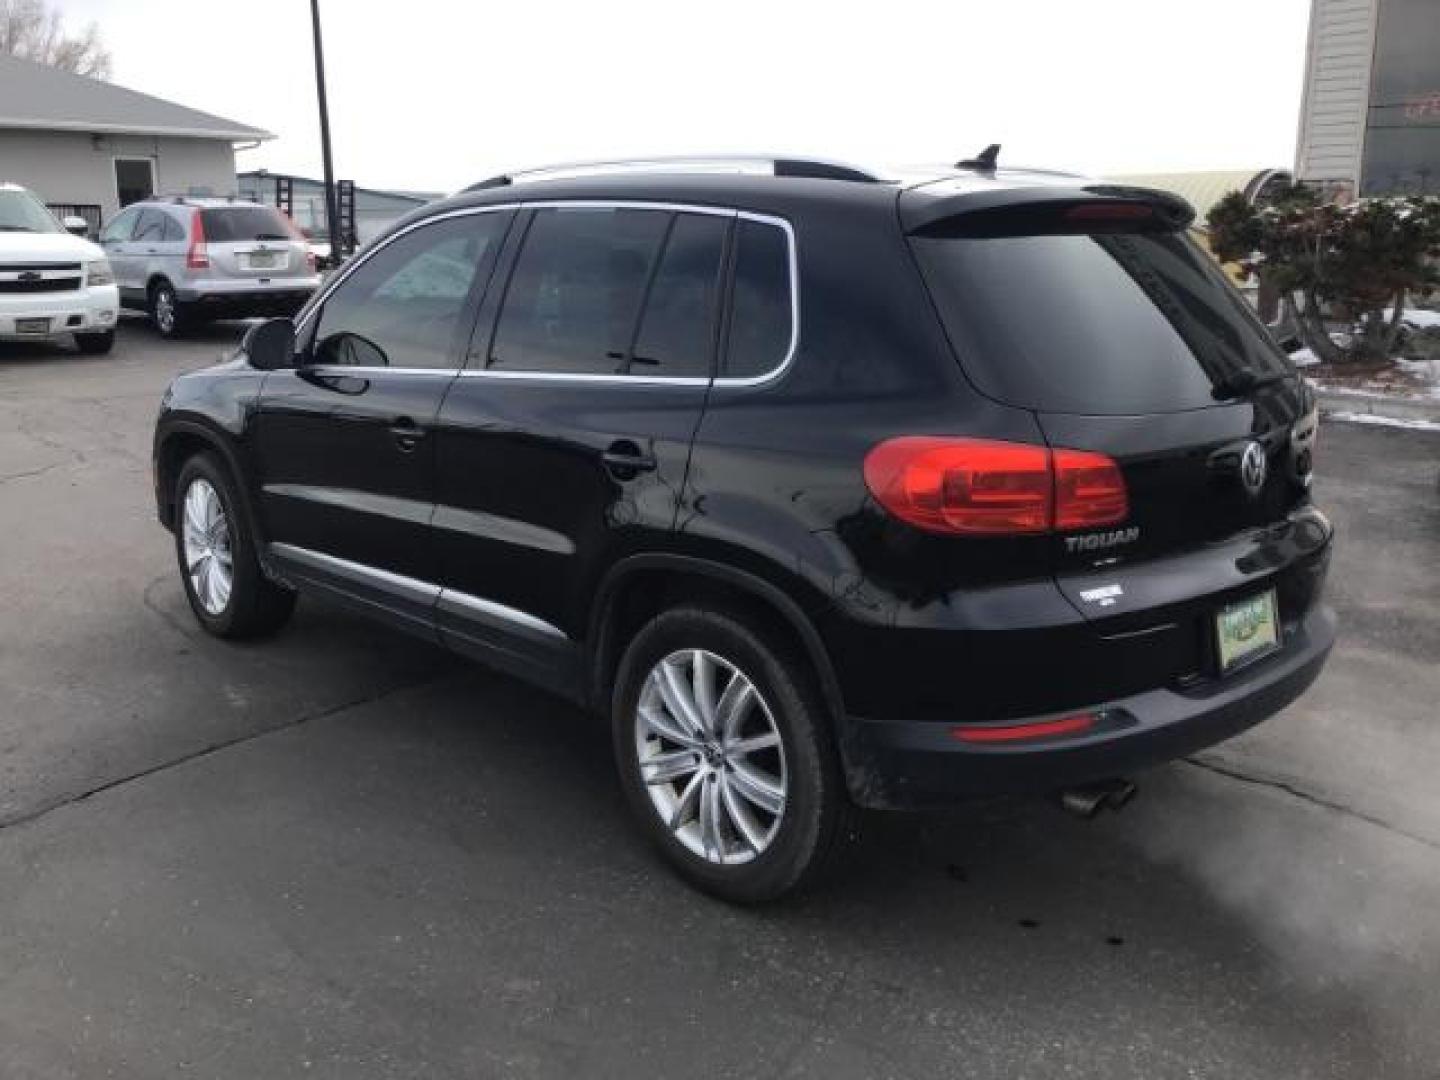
point(1018, 210)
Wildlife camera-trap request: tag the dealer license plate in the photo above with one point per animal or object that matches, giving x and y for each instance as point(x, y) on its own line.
point(1247, 629)
point(32, 326)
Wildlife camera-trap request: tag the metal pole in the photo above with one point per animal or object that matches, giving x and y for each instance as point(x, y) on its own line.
point(331, 211)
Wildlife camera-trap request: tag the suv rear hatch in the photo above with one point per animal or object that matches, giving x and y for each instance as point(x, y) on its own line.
point(253, 242)
point(1093, 309)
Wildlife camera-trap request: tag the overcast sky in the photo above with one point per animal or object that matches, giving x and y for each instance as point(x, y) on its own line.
point(432, 95)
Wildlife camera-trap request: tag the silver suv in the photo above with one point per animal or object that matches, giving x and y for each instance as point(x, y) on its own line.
point(187, 259)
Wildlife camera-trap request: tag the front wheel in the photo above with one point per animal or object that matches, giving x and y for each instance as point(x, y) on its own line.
point(725, 755)
point(97, 344)
point(227, 590)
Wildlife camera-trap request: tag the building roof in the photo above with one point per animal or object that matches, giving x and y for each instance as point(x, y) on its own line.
point(417, 197)
point(40, 98)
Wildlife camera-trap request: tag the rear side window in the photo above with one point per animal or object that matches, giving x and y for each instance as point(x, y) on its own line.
point(575, 293)
point(1107, 324)
point(677, 330)
point(761, 324)
point(173, 232)
point(151, 226)
point(236, 224)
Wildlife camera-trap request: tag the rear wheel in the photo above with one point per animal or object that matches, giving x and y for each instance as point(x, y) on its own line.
point(227, 590)
point(725, 756)
point(166, 312)
point(95, 344)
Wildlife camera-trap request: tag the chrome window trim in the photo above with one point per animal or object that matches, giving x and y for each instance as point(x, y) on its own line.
point(721, 382)
point(426, 591)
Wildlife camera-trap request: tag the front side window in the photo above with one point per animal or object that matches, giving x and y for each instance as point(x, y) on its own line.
point(575, 293)
point(120, 228)
point(761, 323)
point(404, 306)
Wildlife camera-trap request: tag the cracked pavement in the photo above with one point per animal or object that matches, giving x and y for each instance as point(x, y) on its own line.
point(343, 853)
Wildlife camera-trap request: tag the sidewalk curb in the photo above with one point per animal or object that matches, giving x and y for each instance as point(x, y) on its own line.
point(1380, 405)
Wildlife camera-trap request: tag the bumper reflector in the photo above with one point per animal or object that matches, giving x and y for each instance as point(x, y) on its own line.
point(1067, 725)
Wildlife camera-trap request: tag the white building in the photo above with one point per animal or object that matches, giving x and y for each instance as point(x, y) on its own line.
point(1370, 117)
point(91, 147)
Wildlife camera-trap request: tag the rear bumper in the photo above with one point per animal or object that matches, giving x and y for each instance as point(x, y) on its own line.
point(90, 310)
point(899, 763)
point(239, 299)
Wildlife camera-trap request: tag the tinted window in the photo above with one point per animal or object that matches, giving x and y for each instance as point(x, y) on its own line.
point(121, 226)
point(575, 293)
point(1402, 132)
point(402, 307)
point(760, 320)
point(238, 223)
point(1110, 324)
point(677, 330)
point(151, 226)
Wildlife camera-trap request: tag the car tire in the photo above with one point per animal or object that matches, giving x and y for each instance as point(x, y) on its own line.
point(230, 601)
point(97, 344)
point(747, 853)
point(167, 314)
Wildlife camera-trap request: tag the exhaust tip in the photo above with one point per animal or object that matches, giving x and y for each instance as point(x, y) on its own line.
point(1087, 801)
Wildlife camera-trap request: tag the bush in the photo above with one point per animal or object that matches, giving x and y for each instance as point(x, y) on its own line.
point(1357, 264)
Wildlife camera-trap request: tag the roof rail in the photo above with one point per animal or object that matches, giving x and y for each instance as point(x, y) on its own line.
point(813, 168)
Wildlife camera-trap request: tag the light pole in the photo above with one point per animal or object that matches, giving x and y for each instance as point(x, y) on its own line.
point(331, 211)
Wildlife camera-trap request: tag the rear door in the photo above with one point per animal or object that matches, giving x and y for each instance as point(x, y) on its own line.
point(1131, 343)
point(345, 441)
point(150, 248)
point(565, 443)
point(253, 243)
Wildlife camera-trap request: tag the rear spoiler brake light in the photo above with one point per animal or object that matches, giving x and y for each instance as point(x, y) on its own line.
point(1031, 211)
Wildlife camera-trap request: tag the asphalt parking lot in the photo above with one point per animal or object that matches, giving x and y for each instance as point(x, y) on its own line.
point(342, 853)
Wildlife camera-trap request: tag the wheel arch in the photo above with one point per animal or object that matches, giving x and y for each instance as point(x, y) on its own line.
point(640, 586)
point(182, 440)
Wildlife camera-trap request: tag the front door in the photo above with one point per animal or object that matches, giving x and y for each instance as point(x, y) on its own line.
point(565, 443)
point(344, 440)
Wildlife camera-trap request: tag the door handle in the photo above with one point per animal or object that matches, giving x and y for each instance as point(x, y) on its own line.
point(407, 433)
point(626, 461)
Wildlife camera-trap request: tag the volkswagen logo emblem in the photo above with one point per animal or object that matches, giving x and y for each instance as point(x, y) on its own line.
point(1252, 468)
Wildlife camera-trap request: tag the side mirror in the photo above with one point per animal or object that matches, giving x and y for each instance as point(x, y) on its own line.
point(270, 345)
point(76, 226)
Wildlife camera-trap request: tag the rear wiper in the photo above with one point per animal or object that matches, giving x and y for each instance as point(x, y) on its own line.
point(271, 236)
point(1242, 383)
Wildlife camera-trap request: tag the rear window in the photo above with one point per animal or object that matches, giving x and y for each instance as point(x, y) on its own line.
point(1110, 324)
point(239, 223)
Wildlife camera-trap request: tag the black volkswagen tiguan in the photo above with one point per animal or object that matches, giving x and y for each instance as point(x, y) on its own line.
point(828, 489)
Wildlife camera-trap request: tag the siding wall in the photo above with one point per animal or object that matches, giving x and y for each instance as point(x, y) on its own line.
point(1337, 90)
point(64, 167)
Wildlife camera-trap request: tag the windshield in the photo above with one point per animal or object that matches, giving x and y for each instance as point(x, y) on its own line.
point(22, 212)
point(1102, 324)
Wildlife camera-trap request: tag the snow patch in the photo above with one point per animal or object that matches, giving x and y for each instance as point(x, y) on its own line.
point(1384, 421)
point(1417, 317)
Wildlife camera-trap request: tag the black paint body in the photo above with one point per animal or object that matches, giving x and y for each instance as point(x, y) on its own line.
point(504, 496)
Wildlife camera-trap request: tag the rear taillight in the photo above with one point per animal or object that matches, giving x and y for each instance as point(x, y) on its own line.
point(981, 487)
point(198, 255)
point(1089, 491)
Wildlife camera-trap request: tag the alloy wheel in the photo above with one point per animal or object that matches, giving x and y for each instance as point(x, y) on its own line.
point(208, 549)
point(165, 310)
point(711, 756)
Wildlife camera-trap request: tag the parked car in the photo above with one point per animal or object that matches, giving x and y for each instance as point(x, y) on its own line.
point(188, 259)
point(828, 490)
point(52, 283)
